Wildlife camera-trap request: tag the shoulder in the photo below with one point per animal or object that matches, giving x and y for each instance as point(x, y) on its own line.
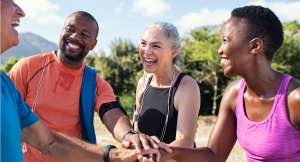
point(233, 87)
point(102, 84)
point(230, 95)
point(188, 84)
point(31, 61)
point(6, 81)
point(143, 81)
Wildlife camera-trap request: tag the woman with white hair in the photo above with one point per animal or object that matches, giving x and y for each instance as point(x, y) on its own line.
point(167, 100)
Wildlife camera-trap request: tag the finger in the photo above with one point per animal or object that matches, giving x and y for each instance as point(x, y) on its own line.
point(135, 139)
point(165, 147)
point(157, 154)
point(140, 158)
point(153, 142)
point(156, 139)
point(145, 159)
point(145, 141)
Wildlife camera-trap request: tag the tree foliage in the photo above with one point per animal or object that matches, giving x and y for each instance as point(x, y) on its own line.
point(123, 67)
point(9, 64)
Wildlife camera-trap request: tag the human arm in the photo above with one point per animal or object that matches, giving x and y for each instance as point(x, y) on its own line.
point(222, 137)
point(187, 102)
point(293, 103)
point(68, 148)
point(118, 124)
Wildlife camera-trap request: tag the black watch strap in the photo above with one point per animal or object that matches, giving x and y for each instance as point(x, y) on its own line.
point(106, 152)
point(129, 131)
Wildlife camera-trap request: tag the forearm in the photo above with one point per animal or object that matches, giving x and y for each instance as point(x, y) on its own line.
point(117, 123)
point(182, 142)
point(201, 154)
point(72, 149)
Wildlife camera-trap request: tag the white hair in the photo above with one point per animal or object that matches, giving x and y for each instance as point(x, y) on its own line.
point(171, 33)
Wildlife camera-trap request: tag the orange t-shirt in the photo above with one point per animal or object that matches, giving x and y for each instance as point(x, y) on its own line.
point(57, 103)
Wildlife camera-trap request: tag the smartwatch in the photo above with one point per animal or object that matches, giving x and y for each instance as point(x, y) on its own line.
point(129, 131)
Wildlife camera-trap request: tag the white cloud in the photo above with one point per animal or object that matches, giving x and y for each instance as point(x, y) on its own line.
point(203, 18)
point(286, 11)
point(150, 7)
point(119, 7)
point(41, 10)
point(50, 18)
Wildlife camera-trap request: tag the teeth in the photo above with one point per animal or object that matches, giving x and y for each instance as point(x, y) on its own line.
point(223, 60)
point(149, 59)
point(73, 46)
point(15, 23)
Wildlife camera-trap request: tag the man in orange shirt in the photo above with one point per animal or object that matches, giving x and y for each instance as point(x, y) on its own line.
point(51, 84)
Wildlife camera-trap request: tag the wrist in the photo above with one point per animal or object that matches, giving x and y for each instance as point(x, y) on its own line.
point(107, 151)
point(130, 131)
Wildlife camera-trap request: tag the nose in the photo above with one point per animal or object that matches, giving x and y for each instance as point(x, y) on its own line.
point(147, 50)
point(220, 50)
point(19, 11)
point(74, 36)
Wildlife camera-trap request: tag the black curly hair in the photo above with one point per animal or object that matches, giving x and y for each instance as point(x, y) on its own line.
point(261, 23)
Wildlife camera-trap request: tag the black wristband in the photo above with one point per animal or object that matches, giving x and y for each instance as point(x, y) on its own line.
point(129, 131)
point(106, 152)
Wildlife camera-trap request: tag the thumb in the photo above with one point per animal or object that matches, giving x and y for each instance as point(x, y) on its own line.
point(125, 143)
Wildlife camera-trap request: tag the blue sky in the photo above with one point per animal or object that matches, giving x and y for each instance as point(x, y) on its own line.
point(128, 18)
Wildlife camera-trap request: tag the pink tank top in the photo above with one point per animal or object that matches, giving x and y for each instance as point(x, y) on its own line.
point(274, 139)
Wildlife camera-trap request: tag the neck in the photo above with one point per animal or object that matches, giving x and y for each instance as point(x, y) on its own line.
point(264, 85)
point(68, 63)
point(164, 79)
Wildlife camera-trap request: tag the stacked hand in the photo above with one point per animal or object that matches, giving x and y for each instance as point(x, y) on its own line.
point(145, 146)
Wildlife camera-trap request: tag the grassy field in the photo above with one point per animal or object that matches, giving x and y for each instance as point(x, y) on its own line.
point(205, 124)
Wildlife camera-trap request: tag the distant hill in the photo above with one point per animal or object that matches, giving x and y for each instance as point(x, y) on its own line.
point(30, 44)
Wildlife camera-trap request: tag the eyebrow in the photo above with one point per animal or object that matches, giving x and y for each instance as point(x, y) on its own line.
point(73, 26)
point(152, 42)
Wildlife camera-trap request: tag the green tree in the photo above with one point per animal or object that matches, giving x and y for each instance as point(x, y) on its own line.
point(287, 58)
point(9, 64)
point(200, 52)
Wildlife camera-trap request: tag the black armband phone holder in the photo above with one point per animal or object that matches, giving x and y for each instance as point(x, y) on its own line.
point(111, 105)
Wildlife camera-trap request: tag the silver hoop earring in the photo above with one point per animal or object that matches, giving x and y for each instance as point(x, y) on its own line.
point(250, 52)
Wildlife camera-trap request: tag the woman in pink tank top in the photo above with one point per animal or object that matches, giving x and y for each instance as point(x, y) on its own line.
point(262, 110)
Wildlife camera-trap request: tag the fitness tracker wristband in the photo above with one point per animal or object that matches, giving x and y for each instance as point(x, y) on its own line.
point(106, 152)
point(129, 131)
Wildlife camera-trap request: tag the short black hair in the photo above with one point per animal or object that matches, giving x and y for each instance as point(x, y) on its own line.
point(261, 23)
point(88, 15)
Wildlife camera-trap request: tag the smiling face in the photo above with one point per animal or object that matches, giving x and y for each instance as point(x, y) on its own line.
point(235, 50)
point(10, 18)
point(78, 37)
point(155, 50)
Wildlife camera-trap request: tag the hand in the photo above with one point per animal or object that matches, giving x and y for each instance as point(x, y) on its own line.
point(141, 141)
point(131, 155)
point(164, 151)
point(164, 155)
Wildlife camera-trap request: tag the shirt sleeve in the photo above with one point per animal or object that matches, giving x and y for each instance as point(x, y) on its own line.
point(104, 93)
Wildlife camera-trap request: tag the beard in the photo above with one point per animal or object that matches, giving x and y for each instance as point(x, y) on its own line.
point(69, 57)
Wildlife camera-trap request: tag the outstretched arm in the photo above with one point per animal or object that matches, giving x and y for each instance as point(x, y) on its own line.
point(68, 148)
point(222, 137)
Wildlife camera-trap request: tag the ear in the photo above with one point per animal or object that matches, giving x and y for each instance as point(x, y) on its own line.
point(94, 44)
point(175, 52)
point(256, 45)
